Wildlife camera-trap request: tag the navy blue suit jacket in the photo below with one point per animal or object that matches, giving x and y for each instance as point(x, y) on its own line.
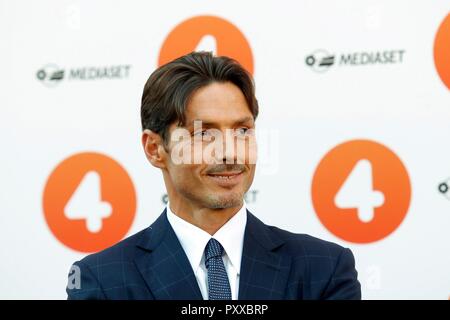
point(276, 264)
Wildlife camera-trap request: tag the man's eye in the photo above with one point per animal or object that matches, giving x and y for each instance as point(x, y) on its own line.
point(241, 131)
point(201, 133)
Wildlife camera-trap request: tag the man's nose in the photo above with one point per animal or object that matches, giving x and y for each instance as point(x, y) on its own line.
point(229, 147)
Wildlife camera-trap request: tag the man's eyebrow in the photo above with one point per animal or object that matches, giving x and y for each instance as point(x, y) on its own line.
point(215, 124)
point(245, 120)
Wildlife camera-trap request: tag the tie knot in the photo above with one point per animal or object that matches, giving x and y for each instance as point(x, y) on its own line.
point(213, 249)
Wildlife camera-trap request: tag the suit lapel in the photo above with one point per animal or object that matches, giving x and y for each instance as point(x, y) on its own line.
point(168, 274)
point(264, 271)
point(164, 265)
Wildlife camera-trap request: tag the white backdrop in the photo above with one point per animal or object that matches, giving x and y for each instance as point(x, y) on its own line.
point(100, 54)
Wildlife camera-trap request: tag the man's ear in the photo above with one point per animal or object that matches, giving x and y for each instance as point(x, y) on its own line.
point(154, 148)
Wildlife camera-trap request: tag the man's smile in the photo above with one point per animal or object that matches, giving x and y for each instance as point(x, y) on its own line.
point(226, 178)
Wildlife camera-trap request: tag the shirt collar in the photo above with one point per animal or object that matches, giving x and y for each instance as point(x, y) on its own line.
point(194, 240)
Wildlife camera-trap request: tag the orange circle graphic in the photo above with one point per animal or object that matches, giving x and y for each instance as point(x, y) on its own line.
point(360, 177)
point(442, 51)
point(225, 36)
point(104, 209)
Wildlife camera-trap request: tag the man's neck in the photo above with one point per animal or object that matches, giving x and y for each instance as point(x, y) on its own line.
point(209, 220)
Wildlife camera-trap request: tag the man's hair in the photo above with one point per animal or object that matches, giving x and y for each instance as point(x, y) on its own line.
point(169, 88)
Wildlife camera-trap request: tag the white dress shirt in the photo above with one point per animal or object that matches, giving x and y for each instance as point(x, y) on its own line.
point(194, 240)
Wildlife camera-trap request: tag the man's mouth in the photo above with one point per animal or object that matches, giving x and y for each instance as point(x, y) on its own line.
point(225, 175)
point(226, 178)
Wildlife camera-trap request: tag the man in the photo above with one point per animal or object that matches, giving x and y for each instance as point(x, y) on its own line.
point(206, 244)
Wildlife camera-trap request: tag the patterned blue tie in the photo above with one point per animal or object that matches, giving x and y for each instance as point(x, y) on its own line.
point(218, 285)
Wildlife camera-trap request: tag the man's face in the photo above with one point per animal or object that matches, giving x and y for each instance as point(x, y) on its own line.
point(220, 155)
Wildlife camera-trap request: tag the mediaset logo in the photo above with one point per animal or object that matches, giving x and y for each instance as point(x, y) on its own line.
point(51, 74)
point(444, 188)
point(322, 60)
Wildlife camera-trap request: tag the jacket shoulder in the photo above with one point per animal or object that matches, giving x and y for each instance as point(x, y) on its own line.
point(307, 245)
